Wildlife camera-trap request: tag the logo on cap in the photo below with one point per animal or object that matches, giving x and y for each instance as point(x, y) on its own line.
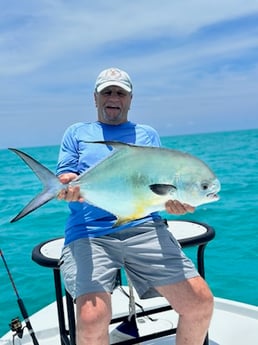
point(113, 77)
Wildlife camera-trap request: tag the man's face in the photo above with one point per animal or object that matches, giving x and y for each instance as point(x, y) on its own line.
point(113, 104)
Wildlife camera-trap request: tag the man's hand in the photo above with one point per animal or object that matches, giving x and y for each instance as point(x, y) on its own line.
point(71, 193)
point(175, 207)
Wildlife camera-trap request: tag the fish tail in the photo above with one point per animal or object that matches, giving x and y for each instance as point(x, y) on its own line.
point(51, 184)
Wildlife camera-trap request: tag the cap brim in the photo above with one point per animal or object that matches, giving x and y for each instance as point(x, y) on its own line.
point(113, 83)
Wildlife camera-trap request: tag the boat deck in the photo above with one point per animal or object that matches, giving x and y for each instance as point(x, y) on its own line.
point(233, 323)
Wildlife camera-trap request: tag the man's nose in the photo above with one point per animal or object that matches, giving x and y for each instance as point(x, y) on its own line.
point(114, 94)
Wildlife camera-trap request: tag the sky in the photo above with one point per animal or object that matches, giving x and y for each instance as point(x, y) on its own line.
point(194, 64)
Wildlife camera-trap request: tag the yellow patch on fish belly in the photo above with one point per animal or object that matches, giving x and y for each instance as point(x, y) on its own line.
point(139, 212)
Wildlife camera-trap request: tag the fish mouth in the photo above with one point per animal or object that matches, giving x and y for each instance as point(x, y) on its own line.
point(213, 196)
point(215, 188)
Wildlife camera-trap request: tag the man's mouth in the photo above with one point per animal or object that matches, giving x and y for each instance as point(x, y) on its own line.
point(112, 107)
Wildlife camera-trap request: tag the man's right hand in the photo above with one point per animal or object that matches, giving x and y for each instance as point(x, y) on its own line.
point(71, 193)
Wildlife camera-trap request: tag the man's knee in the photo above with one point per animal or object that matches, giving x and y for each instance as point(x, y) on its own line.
point(188, 297)
point(94, 309)
point(200, 300)
point(205, 302)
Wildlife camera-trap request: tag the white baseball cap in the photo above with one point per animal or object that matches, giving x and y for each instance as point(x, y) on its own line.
point(113, 77)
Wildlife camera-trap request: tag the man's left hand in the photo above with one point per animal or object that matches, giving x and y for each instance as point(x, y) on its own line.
point(175, 207)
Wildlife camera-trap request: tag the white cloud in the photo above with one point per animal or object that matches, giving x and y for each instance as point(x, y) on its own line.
point(36, 35)
point(185, 57)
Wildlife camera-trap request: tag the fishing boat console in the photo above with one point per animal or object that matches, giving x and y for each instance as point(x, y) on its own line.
point(47, 254)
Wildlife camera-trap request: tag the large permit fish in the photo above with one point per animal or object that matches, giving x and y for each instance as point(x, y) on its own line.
point(133, 181)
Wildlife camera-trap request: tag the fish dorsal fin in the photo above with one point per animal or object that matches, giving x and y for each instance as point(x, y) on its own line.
point(113, 144)
point(162, 188)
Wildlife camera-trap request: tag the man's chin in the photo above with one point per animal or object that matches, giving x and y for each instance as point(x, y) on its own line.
point(112, 117)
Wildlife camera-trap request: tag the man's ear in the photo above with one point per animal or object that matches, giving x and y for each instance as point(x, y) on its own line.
point(95, 99)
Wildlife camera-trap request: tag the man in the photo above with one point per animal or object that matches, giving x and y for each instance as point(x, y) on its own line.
point(95, 249)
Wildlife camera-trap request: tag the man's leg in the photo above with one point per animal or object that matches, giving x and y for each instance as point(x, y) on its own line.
point(93, 317)
point(193, 301)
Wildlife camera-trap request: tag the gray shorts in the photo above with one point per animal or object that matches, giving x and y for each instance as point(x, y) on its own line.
point(149, 253)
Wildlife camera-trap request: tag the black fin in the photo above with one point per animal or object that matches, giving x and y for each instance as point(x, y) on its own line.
point(161, 188)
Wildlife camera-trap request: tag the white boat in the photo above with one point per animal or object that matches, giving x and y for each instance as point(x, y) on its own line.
point(233, 323)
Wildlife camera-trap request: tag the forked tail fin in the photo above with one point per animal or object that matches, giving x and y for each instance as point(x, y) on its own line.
point(51, 184)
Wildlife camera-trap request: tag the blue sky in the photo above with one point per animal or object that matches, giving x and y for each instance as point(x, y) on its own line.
point(194, 64)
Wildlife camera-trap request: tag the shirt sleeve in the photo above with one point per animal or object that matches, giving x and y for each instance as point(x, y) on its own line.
point(153, 136)
point(68, 154)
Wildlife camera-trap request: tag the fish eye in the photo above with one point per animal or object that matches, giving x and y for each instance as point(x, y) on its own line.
point(205, 185)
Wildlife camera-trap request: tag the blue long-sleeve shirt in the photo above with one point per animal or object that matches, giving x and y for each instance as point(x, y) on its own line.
point(76, 155)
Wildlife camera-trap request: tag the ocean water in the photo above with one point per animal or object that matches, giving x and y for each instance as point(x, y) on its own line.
point(231, 259)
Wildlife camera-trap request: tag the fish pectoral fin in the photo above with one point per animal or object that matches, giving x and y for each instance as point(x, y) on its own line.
point(162, 188)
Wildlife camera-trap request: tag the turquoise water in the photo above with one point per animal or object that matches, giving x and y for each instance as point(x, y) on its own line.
point(231, 258)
